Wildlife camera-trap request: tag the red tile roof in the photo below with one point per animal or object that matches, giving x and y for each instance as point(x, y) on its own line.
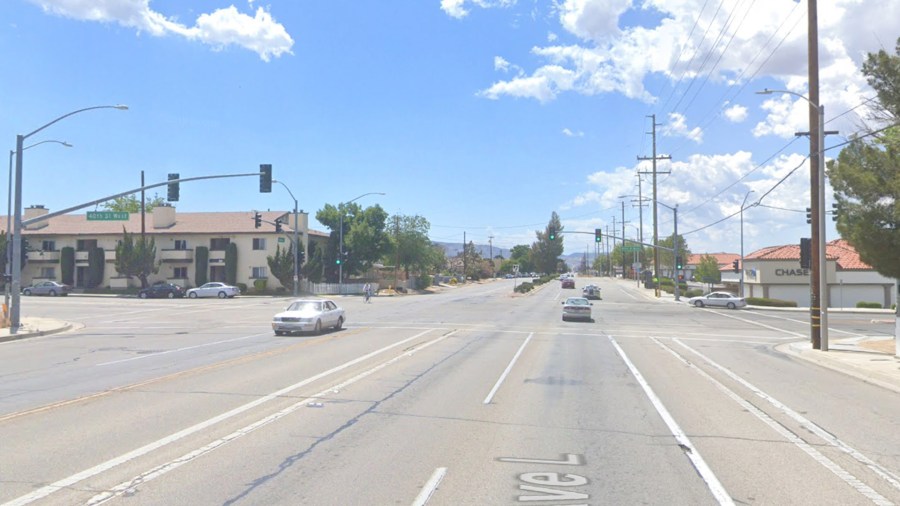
point(839, 250)
point(723, 259)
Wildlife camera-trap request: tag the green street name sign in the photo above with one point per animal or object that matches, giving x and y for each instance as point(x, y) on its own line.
point(631, 249)
point(107, 216)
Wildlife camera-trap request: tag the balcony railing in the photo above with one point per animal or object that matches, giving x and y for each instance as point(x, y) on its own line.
point(176, 255)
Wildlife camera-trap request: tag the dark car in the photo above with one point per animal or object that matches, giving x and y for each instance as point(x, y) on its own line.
point(568, 283)
point(161, 290)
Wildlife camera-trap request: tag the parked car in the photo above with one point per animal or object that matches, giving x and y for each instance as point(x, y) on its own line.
point(51, 288)
point(161, 290)
point(718, 299)
point(214, 289)
point(577, 308)
point(568, 283)
point(304, 315)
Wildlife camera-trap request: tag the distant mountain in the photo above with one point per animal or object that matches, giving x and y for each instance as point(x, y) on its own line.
point(453, 249)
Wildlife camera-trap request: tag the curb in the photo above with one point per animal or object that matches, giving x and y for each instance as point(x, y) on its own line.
point(861, 373)
point(38, 333)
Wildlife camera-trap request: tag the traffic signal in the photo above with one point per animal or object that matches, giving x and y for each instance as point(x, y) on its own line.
point(265, 178)
point(736, 265)
point(301, 255)
point(257, 220)
point(835, 211)
point(337, 261)
point(805, 252)
point(551, 233)
point(678, 264)
point(173, 189)
point(278, 225)
point(598, 235)
point(808, 215)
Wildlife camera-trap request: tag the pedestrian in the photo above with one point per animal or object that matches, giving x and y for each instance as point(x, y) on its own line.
point(367, 292)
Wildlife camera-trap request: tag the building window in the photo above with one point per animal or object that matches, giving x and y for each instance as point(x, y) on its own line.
point(179, 273)
point(259, 273)
point(48, 272)
point(85, 244)
point(47, 245)
point(180, 244)
point(259, 243)
point(218, 244)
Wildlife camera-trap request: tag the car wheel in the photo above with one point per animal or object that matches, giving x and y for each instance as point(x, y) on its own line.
point(698, 303)
point(171, 295)
point(192, 295)
point(222, 295)
point(142, 295)
point(26, 292)
point(318, 329)
point(53, 293)
point(339, 324)
point(279, 333)
point(731, 305)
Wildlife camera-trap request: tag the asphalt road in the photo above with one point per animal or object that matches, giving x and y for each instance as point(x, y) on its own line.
point(470, 396)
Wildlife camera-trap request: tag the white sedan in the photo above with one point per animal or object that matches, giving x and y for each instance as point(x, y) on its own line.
point(214, 289)
point(304, 315)
point(577, 308)
point(718, 299)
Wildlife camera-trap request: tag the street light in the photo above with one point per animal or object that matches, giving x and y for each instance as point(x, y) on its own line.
point(9, 250)
point(742, 240)
point(817, 280)
point(17, 219)
point(341, 241)
point(296, 238)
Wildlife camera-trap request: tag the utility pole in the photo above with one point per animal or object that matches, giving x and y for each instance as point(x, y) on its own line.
point(816, 206)
point(491, 246)
point(611, 268)
point(623, 239)
point(143, 210)
point(654, 158)
point(608, 260)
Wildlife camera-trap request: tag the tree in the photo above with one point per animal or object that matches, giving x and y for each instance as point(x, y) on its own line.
point(666, 257)
point(314, 268)
point(282, 266)
point(96, 266)
point(365, 238)
point(131, 204)
point(411, 249)
point(136, 258)
point(546, 252)
point(708, 270)
point(67, 265)
point(231, 261)
point(201, 263)
point(866, 176)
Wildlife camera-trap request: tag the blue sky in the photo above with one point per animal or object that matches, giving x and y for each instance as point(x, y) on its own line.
point(483, 116)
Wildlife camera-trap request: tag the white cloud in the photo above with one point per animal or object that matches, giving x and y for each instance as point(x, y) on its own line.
point(677, 127)
point(457, 8)
point(736, 113)
point(570, 133)
point(220, 28)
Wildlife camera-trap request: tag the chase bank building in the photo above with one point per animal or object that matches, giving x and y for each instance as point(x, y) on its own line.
point(775, 273)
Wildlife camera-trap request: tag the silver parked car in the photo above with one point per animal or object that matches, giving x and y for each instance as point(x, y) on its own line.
point(214, 289)
point(718, 299)
point(51, 288)
point(304, 315)
point(576, 308)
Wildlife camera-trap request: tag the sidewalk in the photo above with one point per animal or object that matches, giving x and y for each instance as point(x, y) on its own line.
point(33, 326)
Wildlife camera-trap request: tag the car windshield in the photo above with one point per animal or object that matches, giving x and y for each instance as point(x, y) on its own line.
point(577, 302)
point(306, 306)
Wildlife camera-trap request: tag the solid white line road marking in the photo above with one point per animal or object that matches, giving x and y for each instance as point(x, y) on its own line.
point(151, 355)
point(430, 487)
point(806, 423)
point(509, 367)
point(155, 445)
point(756, 323)
point(693, 454)
point(827, 463)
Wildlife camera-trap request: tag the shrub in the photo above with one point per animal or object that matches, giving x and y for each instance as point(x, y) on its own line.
point(524, 287)
point(868, 305)
point(424, 281)
point(759, 301)
point(242, 286)
point(260, 284)
point(694, 292)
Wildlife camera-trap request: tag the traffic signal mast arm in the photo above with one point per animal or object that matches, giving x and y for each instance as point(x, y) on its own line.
point(47, 216)
point(611, 236)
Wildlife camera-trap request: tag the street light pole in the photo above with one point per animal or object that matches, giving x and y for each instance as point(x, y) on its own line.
point(742, 240)
point(14, 313)
point(818, 258)
point(9, 249)
point(296, 238)
point(341, 240)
